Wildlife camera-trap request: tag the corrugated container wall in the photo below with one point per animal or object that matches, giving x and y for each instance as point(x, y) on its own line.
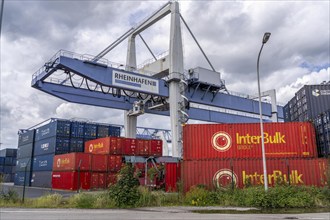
point(71, 162)
point(26, 137)
point(52, 145)
point(282, 140)
point(41, 179)
point(43, 162)
point(54, 128)
point(322, 130)
point(70, 181)
point(242, 172)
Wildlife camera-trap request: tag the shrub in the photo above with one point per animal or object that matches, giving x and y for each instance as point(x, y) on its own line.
point(125, 192)
point(10, 196)
point(82, 200)
point(48, 201)
point(199, 196)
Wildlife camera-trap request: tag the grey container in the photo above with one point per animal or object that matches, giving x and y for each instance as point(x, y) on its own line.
point(8, 152)
point(26, 137)
point(42, 179)
point(25, 151)
point(22, 163)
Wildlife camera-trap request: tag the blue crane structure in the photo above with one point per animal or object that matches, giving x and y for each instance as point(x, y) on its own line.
point(93, 80)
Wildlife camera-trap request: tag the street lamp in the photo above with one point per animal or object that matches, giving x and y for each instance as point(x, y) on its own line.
point(264, 40)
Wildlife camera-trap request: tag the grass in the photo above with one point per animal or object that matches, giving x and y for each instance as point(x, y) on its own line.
point(276, 198)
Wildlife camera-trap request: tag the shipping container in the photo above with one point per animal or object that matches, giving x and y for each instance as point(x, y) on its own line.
point(2, 160)
point(322, 130)
point(43, 162)
point(98, 180)
point(90, 131)
point(282, 140)
point(77, 145)
point(143, 147)
point(69, 180)
point(56, 127)
point(111, 179)
point(102, 131)
point(99, 162)
point(130, 147)
point(71, 162)
point(224, 173)
point(8, 169)
point(20, 179)
point(42, 179)
point(116, 145)
point(52, 145)
point(78, 129)
point(25, 151)
point(98, 146)
point(8, 177)
point(10, 161)
point(172, 176)
point(114, 131)
point(114, 163)
point(156, 148)
point(23, 163)
point(8, 152)
point(26, 137)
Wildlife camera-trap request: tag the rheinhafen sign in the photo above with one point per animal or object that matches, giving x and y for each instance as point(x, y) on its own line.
point(135, 82)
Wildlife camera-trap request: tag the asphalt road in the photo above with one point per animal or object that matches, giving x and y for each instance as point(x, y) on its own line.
point(141, 214)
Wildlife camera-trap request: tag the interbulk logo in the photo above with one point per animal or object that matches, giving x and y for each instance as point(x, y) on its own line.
point(64, 161)
point(276, 176)
point(221, 141)
point(224, 177)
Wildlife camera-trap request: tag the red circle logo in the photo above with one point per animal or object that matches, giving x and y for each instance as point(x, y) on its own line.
point(221, 141)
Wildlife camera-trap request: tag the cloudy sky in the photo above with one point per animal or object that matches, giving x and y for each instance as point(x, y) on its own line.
point(230, 33)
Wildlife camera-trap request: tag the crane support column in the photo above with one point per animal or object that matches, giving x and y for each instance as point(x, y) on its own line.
point(130, 120)
point(175, 75)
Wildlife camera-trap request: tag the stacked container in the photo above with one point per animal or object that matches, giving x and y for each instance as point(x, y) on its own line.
point(219, 155)
point(24, 157)
point(322, 128)
point(8, 164)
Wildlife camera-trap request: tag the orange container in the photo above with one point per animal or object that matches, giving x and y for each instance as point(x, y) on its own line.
point(143, 147)
point(98, 146)
point(71, 161)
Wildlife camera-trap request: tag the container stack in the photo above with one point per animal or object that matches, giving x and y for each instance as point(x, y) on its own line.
point(229, 155)
point(24, 157)
point(8, 164)
point(312, 103)
point(39, 146)
point(100, 163)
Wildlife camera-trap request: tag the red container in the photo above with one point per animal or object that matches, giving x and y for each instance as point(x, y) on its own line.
point(98, 181)
point(116, 145)
point(129, 146)
point(111, 179)
point(172, 176)
point(143, 147)
point(282, 140)
point(99, 162)
point(69, 180)
point(114, 163)
point(156, 148)
point(70, 162)
point(98, 146)
point(220, 173)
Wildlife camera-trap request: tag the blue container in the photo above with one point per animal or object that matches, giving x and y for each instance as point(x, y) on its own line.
point(8, 169)
point(8, 152)
point(52, 145)
point(20, 178)
point(43, 163)
point(114, 131)
point(26, 137)
point(102, 131)
point(10, 161)
point(78, 129)
point(77, 145)
point(90, 131)
point(54, 128)
point(143, 136)
point(2, 168)
point(2, 161)
point(22, 163)
point(25, 151)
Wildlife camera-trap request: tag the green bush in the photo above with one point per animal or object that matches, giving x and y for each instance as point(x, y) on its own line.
point(125, 192)
point(11, 196)
point(199, 196)
point(103, 200)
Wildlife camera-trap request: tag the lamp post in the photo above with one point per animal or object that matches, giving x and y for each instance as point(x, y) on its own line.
point(264, 40)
